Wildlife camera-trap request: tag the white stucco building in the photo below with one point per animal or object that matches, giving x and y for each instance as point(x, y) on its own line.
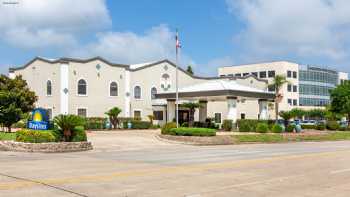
point(89, 87)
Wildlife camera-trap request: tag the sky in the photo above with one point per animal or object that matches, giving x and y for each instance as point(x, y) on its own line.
point(212, 33)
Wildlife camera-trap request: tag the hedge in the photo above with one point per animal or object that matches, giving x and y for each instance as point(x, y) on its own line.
point(249, 125)
point(276, 128)
point(95, 123)
point(262, 128)
point(185, 131)
point(137, 124)
point(303, 126)
point(227, 125)
point(332, 125)
point(35, 136)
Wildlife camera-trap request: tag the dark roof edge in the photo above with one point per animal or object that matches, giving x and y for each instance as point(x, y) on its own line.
point(194, 76)
point(67, 60)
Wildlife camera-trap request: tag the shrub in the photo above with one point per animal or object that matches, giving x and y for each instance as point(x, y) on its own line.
point(249, 125)
point(303, 126)
point(276, 128)
point(321, 126)
point(167, 127)
point(79, 134)
point(185, 124)
point(262, 128)
point(67, 123)
point(35, 136)
point(185, 131)
point(227, 125)
point(332, 125)
point(20, 124)
point(92, 123)
point(137, 124)
point(140, 124)
point(290, 128)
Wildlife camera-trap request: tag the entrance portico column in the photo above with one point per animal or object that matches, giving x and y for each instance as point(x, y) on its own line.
point(170, 110)
point(263, 109)
point(232, 108)
point(203, 111)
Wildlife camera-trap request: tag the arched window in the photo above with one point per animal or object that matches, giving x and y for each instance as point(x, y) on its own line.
point(137, 92)
point(153, 93)
point(113, 89)
point(82, 87)
point(48, 88)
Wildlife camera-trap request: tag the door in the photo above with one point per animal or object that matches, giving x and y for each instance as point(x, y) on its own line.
point(183, 116)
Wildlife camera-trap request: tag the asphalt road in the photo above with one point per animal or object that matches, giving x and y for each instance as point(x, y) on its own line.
point(137, 164)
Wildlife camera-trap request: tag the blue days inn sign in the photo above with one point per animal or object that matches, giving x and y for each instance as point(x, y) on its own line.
point(39, 120)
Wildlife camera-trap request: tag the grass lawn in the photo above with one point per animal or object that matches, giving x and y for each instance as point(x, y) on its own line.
point(273, 138)
point(7, 136)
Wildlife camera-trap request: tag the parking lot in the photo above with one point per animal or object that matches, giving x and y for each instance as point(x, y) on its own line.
point(136, 163)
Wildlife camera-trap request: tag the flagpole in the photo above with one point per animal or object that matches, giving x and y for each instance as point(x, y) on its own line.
point(177, 83)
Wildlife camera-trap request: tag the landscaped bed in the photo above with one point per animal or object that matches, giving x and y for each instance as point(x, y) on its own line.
point(7, 136)
point(68, 135)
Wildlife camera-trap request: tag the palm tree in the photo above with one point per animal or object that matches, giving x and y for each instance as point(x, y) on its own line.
point(151, 118)
point(66, 123)
point(278, 82)
point(192, 108)
point(113, 116)
point(286, 115)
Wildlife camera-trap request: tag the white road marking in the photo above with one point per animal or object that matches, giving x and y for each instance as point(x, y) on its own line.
point(340, 171)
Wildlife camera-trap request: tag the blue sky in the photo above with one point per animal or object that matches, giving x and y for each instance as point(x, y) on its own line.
point(212, 33)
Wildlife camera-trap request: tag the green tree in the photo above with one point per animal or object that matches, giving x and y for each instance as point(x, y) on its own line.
point(286, 115)
point(67, 123)
point(189, 69)
point(16, 99)
point(340, 99)
point(192, 108)
point(298, 113)
point(113, 116)
point(278, 82)
point(316, 113)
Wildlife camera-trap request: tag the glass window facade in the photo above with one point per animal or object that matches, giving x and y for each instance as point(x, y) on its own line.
point(318, 76)
point(314, 90)
point(313, 102)
point(315, 84)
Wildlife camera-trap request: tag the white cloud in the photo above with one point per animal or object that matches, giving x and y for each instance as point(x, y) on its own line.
point(128, 47)
point(210, 68)
point(55, 23)
point(312, 28)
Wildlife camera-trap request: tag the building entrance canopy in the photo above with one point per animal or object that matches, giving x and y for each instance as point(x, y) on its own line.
point(218, 90)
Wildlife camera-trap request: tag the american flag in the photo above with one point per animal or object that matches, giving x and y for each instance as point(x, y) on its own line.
point(178, 45)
